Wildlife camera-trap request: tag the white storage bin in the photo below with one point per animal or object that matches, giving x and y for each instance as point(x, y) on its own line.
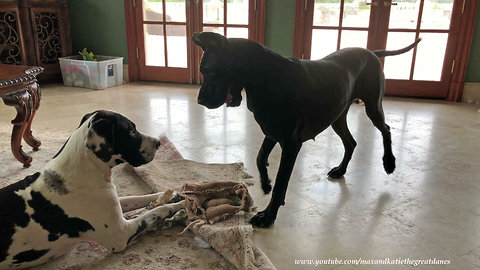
point(107, 72)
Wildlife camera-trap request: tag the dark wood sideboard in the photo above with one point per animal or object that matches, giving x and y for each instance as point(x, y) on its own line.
point(19, 88)
point(35, 33)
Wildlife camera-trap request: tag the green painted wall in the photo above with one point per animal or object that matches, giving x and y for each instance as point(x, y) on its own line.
point(473, 68)
point(99, 26)
point(279, 26)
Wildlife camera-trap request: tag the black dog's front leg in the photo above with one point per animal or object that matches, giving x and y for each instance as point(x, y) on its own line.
point(262, 163)
point(267, 217)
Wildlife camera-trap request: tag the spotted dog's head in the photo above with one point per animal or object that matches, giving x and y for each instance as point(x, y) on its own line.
point(114, 139)
point(220, 68)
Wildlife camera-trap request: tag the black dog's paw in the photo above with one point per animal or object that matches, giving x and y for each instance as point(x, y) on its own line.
point(336, 173)
point(263, 219)
point(266, 186)
point(389, 164)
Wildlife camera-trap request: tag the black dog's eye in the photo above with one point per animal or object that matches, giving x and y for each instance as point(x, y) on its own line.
point(132, 131)
point(207, 71)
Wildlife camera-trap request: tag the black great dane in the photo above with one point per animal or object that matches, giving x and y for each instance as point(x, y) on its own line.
point(294, 100)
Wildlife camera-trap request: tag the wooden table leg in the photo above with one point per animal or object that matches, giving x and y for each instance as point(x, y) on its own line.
point(34, 91)
point(23, 103)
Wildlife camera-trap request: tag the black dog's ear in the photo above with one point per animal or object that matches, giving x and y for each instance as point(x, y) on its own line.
point(209, 40)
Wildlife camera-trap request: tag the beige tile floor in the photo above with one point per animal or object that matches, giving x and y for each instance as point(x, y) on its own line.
point(428, 208)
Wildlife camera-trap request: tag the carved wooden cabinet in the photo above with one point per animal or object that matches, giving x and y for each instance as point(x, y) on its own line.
point(34, 33)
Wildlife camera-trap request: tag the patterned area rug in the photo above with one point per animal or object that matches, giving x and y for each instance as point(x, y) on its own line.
point(231, 244)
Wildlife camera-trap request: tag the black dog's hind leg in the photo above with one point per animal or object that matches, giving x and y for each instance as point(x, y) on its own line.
point(375, 113)
point(267, 217)
point(262, 163)
point(340, 127)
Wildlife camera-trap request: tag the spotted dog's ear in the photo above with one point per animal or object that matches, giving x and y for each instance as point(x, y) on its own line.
point(101, 138)
point(84, 118)
point(208, 40)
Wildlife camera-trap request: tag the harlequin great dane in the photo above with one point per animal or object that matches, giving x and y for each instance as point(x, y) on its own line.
point(294, 100)
point(72, 198)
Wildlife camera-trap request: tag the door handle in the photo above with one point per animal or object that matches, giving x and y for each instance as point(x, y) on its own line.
point(387, 4)
point(376, 4)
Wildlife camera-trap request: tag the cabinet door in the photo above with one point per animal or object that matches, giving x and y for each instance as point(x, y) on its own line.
point(11, 42)
point(49, 41)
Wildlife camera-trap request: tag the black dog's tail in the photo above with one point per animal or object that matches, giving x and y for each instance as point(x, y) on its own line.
point(383, 53)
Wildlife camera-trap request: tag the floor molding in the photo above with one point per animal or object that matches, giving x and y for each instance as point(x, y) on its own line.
point(471, 92)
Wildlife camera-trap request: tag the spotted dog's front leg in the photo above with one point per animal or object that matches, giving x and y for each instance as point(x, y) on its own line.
point(118, 237)
point(130, 203)
point(151, 219)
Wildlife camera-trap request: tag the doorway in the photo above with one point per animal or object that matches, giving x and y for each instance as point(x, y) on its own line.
point(425, 71)
point(163, 50)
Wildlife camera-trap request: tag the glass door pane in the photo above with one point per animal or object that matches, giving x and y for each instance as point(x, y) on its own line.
point(215, 29)
point(237, 12)
point(213, 12)
point(237, 32)
point(404, 14)
point(326, 13)
point(398, 66)
point(356, 14)
point(154, 45)
point(176, 11)
point(152, 11)
point(351, 38)
point(437, 14)
point(430, 57)
point(324, 42)
point(177, 46)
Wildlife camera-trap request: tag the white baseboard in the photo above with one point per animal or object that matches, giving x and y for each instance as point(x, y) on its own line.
point(471, 92)
point(125, 73)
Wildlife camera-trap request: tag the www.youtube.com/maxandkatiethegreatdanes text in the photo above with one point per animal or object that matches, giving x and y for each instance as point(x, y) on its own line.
point(361, 261)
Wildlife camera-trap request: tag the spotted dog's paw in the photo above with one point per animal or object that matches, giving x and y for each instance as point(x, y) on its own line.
point(176, 197)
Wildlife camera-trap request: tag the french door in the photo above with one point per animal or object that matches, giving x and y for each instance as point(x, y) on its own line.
point(329, 25)
point(161, 38)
